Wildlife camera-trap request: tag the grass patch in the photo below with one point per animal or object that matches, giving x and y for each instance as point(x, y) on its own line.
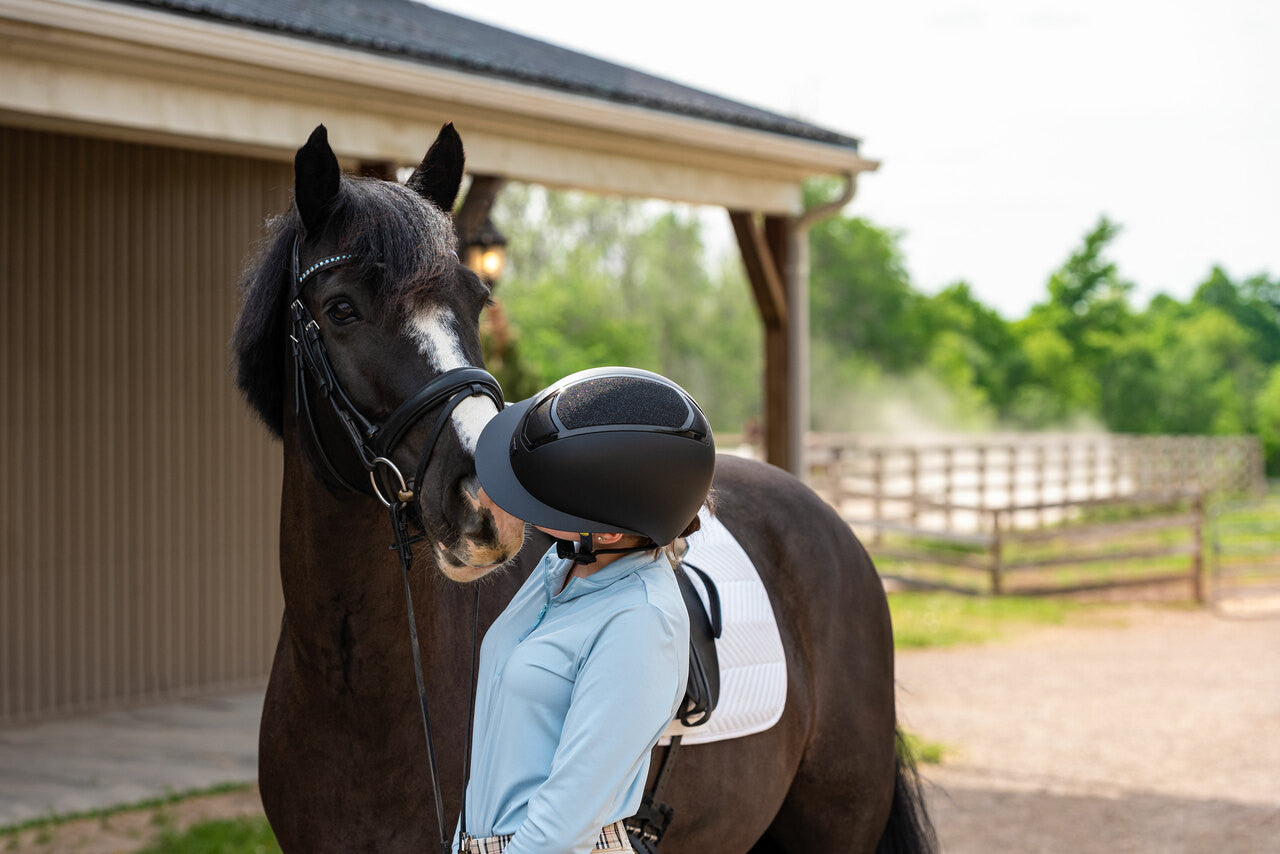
point(922, 620)
point(223, 836)
point(925, 751)
point(55, 819)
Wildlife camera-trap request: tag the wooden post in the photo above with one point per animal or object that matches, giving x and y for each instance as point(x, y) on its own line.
point(981, 465)
point(1066, 472)
point(1197, 550)
point(1041, 474)
point(948, 482)
point(877, 491)
point(997, 548)
point(913, 456)
point(1115, 467)
point(383, 169)
point(836, 470)
point(475, 208)
point(763, 255)
point(1013, 479)
point(1091, 469)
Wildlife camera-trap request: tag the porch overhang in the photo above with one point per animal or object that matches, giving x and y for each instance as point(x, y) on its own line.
point(128, 72)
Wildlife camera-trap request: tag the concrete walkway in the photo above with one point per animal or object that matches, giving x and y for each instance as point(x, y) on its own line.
point(129, 755)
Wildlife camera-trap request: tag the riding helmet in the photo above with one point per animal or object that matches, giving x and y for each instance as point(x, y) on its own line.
point(604, 450)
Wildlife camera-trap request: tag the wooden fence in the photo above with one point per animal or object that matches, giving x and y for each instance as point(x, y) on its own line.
point(1108, 542)
point(1034, 512)
point(1244, 550)
point(1035, 479)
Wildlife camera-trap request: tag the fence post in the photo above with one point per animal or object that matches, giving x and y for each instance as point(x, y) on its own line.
point(914, 458)
point(835, 471)
point(948, 475)
point(877, 491)
point(1197, 549)
point(997, 583)
point(1041, 475)
point(981, 465)
point(1013, 478)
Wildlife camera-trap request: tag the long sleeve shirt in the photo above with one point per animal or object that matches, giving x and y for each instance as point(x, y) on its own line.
point(574, 688)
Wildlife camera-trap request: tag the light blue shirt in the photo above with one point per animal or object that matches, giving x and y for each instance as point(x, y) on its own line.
point(573, 690)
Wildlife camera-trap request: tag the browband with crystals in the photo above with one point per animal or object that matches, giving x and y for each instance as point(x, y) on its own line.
point(323, 264)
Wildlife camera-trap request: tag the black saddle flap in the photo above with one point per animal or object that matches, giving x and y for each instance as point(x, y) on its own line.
point(703, 691)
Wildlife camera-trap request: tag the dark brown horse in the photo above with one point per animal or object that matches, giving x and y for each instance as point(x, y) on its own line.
point(365, 272)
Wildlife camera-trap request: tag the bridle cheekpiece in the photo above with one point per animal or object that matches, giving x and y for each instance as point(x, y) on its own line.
point(373, 444)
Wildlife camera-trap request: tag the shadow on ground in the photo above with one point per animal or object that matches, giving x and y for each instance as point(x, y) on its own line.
point(975, 820)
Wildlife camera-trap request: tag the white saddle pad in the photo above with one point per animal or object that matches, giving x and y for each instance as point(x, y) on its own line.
point(753, 672)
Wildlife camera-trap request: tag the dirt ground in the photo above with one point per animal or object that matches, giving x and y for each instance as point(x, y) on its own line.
point(1158, 732)
point(1152, 730)
point(131, 831)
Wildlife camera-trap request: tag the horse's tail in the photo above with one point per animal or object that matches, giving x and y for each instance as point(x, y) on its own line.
point(908, 830)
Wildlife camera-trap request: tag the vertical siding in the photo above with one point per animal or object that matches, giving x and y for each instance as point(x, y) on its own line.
point(139, 500)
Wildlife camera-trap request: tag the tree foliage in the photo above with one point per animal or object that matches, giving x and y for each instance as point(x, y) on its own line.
point(596, 281)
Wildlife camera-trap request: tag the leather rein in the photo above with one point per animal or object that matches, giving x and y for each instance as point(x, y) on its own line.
point(374, 446)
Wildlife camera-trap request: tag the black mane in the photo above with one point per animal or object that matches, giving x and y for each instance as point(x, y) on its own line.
point(402, 245)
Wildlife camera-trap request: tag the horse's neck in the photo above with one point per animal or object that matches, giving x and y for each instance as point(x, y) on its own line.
point(343, 588)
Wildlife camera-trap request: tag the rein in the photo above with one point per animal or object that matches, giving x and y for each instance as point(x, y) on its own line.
point(374, 446)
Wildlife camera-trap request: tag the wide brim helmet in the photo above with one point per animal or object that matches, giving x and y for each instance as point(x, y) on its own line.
point(601, 451)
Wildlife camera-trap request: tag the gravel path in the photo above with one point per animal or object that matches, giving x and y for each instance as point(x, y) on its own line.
point(1160, 733)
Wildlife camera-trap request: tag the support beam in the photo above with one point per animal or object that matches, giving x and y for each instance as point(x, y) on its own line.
point(763, 270)
point(383, 169)
point(765, 254)
point(475, 208)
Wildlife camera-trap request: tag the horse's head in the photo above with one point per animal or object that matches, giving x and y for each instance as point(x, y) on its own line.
point(360, 340)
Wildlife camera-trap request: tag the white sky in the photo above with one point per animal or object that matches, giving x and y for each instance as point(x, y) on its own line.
point(1005, 127)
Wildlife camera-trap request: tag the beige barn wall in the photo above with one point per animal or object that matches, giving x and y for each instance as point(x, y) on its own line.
point(139, 500)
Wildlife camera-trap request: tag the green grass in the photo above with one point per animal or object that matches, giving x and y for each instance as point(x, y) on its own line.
point(229, 836)
point(923, 620)
point(55, 819)
point(924, 751)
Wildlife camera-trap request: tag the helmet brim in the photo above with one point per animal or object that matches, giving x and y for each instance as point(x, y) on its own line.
point(498, 478)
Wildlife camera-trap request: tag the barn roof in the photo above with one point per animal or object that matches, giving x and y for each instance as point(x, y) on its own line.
point(432, 36)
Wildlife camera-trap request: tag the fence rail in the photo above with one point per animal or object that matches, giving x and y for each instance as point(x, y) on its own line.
point(1036, 479)
point(1163, 544)
point(1022, 509)
point(1244, 549)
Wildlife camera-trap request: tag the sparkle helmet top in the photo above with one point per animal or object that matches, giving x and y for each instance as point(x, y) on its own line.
point(604, 450)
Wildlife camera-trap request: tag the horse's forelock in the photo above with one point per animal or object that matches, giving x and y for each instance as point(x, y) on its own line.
point(401, 241)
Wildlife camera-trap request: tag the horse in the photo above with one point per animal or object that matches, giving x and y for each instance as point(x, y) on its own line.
point(357, 321)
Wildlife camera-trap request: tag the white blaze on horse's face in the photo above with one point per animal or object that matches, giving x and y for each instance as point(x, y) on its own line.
point(435, 330)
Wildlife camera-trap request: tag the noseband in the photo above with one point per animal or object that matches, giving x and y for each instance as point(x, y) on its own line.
point(373, 444)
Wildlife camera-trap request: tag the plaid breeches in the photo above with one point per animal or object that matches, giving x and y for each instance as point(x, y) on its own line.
point(612, 838)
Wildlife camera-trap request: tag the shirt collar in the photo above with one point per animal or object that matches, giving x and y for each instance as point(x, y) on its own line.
point(557, 568)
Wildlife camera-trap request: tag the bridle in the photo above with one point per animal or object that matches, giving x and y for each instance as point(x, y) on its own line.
point(374, 446)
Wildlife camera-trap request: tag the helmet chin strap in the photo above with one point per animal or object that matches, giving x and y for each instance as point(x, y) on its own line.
point(583, 550)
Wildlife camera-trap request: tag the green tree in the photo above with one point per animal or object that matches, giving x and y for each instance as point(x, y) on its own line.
point(970, 343)
point(604, 281)
point(860, 296)
point(1267, 407)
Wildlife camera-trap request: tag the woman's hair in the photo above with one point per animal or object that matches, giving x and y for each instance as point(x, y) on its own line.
point(675, 549)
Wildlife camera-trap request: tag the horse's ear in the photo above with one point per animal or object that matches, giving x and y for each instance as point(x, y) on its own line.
point(439, 175)
point(316, 177)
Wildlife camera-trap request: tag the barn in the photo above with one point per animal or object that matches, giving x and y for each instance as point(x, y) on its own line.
point(142, 144)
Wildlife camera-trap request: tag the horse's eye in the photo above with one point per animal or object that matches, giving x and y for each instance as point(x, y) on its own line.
point(341, 311)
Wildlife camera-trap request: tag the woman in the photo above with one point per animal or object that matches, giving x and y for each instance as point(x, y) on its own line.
point(587, 665)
